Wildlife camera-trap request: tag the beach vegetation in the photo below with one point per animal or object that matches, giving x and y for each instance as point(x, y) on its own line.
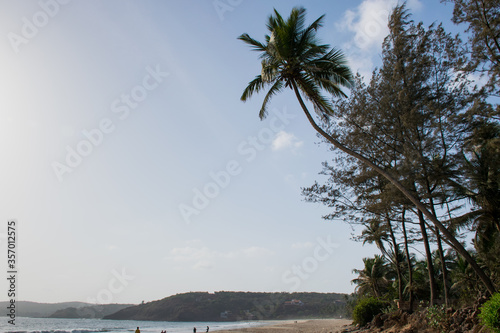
point(416, 149)
point(490, 313)
point(366, 309)
point(401, 133)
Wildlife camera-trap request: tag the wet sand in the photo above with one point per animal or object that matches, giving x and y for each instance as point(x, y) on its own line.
point(299, 326)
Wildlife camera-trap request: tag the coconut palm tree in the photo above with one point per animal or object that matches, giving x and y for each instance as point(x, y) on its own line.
point(376, 232)
point(373, 279)
point(292, 57)
point(464, 280)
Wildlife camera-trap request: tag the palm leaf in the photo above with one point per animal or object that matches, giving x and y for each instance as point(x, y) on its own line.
point(253, 87)
point(276, 88)
point(256, 45)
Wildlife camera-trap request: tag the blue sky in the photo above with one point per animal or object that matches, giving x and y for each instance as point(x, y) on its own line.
point(116, 115)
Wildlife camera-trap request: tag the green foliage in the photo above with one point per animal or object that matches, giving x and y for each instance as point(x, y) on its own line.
point(438, 318)
point(292, 57)
point(372, 279)
point(483, 27)
point(490, 313)
point(424, 123)
point(203, 306)
point(366, 309)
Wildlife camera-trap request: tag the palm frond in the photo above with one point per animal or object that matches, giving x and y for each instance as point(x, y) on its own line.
point(308, 36)
point(275, 88)
point(322, 106)
point(313, 52)
point(254, 86)
point(256, 45)
point(292, 55)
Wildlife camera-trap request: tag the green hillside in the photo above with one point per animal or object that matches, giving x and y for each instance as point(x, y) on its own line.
point(92, 311)
point(232, 306)
point(41, 310)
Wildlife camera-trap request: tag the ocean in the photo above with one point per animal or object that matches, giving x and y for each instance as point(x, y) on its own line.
point(49, 325)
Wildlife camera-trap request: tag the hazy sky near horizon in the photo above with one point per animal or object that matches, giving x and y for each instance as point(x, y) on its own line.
point(134, 171)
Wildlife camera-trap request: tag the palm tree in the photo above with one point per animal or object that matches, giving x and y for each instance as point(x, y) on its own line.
point(292, 57)
point(464, 280)
point(483, 173)
point(373, 278)
point(376, 232)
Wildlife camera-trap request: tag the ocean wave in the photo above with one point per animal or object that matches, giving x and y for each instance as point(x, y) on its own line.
point(62, 331)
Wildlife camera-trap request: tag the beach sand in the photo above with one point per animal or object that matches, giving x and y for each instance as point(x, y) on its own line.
point(299, 326)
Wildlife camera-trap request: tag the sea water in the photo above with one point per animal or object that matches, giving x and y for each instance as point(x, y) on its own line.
point(49, 325)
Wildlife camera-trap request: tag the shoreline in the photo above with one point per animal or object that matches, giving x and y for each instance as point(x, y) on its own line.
point(297, 326)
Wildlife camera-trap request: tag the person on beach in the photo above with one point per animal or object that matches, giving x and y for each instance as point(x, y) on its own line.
point(208, 328)
point(194, 329)
point(137, 330)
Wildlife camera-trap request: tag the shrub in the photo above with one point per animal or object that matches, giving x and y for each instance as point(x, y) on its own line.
point(366, 309)
point(490, 313)
point(437, 318)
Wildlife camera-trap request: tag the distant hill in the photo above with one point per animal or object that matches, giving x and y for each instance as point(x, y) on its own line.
point(232, 306)
point(64, 310)
point(94, 311)
point(40, 310)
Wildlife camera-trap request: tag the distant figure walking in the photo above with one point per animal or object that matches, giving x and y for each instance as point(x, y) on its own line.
point(208, 328)
point(137, 330)
point(194, 329)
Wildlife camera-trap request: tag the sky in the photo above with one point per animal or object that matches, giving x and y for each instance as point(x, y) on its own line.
point(133, 171)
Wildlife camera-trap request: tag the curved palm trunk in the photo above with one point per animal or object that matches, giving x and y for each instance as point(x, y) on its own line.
point(419, 205)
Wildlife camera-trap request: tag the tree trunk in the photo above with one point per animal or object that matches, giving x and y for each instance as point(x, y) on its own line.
point(443, 267)
point(396, 261)
point(428, 257)
point(419, 205)
point(408, 260)
point(438, 238)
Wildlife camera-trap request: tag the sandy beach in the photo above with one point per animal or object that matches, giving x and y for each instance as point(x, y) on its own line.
point(300, 326)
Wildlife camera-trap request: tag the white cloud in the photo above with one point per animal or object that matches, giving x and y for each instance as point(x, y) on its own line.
point(229, 255)
point(256, 251)
point(197, 258)
point(285, 140)
point(188, 253)
point(368, 23)
point(415, 5)
point(203, 265)
point(478, 79)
